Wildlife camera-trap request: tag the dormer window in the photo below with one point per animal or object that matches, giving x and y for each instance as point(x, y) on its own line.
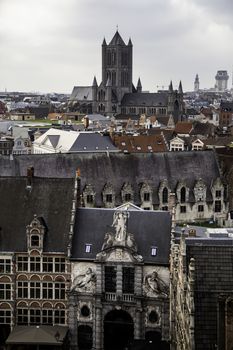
point(153, 251)
point(35, 241)
point(146, 196)
point(35, 234)
point(109, 198)
point(87, 248)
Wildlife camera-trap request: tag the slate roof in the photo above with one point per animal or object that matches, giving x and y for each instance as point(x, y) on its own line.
point(226, 106)
point(117, 168)
point(213, 276)
point(72, 141)
point(150, 229)
point(48, 198)
point(81, 93)
point(145, 99)
point(91, 142)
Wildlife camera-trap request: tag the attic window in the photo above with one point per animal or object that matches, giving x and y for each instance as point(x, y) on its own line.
point(138, 148)
point(154, 251)
point(149, 147)
point(87, 248)
point(123, 143)
point(35, 240)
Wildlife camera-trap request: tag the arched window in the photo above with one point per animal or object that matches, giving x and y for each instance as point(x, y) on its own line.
point(183, 195)
point(165, 195)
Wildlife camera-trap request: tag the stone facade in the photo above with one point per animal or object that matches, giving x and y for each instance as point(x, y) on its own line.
point(201, 292)
point(119, 284)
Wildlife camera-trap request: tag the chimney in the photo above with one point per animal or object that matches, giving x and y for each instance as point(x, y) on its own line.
point(78, 179)
point(192, 232)
point(30, 175)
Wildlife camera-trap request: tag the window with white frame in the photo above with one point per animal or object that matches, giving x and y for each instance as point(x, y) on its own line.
point(5, 265)
point(22, 263)
point(22, 289)
point(59, 316)
point(87, 248)
point(35, 290)
point(60, 264)
point(5, 291)
point(47, 290)
point(22, 316)
point(59, 290)
point(35, 264)
point(154, 251)
point(47, 316)
point(5, 316)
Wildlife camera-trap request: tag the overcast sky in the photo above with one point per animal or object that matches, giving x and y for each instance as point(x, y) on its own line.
point(52, 45)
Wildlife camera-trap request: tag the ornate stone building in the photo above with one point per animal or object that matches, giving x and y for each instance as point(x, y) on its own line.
point(120, 279)
point(116, 92)
point(34, 268)
point(109, 180)
point(201, 290)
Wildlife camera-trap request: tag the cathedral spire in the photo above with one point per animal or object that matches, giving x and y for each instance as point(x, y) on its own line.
point(94, 84)
point(139, 85)
point(180, 88)
point(171, 87)
point(130, 42)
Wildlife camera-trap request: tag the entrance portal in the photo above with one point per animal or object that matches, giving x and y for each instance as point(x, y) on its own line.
point(118, 330)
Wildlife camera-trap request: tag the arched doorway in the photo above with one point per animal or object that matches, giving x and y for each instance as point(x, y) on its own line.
point(154, 341)
point(118, 330)
point(84, 337)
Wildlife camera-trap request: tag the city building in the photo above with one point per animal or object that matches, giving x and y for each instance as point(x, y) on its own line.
point(62, 141)
point(120, 279)
point(35, 221)
point(196, 83)
point(201, 289)
point(116, 92)
point(109, 179)
point(221, 80)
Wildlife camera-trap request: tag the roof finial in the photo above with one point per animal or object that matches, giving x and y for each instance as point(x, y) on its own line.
point(117, 27)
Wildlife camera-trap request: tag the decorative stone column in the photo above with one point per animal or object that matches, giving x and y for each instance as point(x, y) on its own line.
point(98, 328)
point(137, 324)
point(119, 281)
point(138, 281)
point(98, 278)
point(72, 321)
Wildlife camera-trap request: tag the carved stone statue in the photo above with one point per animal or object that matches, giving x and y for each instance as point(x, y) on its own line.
point(155, 284)
point(85, 281)
point(119, 222)
point(119, 238)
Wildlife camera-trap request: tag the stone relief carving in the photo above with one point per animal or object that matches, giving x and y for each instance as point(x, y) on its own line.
point(85, 282)
point(155, 285)
point(120, 238)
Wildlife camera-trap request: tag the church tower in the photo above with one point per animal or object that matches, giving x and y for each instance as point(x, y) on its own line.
point(117, 67)
point(196, 83)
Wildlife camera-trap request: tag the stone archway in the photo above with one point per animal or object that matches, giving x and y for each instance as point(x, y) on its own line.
point(84, 337)
point(153, 341)
point(118, 330)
